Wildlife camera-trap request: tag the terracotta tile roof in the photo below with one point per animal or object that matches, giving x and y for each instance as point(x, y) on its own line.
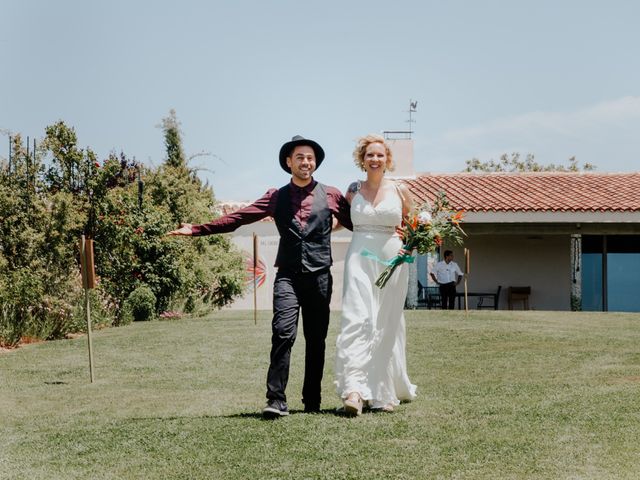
point(535, 192)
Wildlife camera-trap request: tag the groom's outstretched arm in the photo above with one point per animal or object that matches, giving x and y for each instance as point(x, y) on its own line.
point(265, 206)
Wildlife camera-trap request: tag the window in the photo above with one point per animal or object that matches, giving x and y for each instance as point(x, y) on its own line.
point(611, 273)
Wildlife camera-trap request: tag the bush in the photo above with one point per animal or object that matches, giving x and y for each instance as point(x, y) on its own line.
point(140, 305)
point(576, 303)
point(27, 310)
point(50, 197)
point(20, 298)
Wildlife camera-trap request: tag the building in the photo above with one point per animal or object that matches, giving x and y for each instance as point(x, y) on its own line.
point(573, 238)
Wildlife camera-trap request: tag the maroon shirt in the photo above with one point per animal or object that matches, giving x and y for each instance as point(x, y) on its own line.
point(265, 206)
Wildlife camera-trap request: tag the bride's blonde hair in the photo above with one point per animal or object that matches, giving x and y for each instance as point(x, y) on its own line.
point(361, 148)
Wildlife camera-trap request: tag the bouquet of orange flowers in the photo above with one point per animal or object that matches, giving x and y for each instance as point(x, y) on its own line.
point(425, 229)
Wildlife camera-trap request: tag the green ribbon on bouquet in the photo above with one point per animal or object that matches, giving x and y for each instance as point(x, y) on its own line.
point(397, 260)
point(391, 264)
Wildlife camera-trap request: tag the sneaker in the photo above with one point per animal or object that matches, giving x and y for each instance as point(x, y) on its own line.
point(275, 409)
point(314, 408)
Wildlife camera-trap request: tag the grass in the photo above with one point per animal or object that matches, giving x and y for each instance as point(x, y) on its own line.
point(502, 395)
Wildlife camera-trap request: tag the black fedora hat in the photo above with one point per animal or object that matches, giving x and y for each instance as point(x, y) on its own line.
point(288, 147)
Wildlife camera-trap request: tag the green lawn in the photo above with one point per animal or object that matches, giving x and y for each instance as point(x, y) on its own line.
point(502, 395)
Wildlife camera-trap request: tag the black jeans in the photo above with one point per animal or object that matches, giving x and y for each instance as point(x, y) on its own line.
point(448, 295)
point(292, 292)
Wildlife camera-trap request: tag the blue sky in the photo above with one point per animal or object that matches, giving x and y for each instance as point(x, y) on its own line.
point(552, 78)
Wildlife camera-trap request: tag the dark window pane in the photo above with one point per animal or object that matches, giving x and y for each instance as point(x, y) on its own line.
point(592, 244)
point(623, 243)
point(592, 282)
point(623, 279)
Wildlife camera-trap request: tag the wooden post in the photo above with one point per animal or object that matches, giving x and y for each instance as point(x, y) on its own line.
point(255, 279)
point(88, 282)
point(466, 274)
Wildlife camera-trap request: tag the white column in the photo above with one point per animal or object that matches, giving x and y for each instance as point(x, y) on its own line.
point(412, 291)
point(576, 272)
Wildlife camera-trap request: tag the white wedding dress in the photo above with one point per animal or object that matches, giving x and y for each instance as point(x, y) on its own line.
point(370, 356)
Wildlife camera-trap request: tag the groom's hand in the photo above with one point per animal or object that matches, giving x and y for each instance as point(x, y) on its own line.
point(185, 230)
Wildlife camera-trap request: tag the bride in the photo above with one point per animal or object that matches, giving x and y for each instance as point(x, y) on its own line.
point(370, 359)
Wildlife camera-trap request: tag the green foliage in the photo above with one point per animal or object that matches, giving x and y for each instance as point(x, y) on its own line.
point(132, 248)
point(44, 212)
point(27, 309)
point(576, 303)
point(38, 263)
point(513, 163)
point(141, 304)
point(211, 270)
point(20, 291)
point(217, 272)
point(173, 141)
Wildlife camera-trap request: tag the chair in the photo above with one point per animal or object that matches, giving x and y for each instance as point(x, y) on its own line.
point(492, 299)
point(428, 297)
point(422, 295)
point(517, 294)
point(433, 298)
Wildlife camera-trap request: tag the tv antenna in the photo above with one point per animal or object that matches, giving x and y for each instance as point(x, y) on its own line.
point(404, 134)
point(413, 105)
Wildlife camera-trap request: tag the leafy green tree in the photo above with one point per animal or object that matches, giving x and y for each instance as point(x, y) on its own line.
point(38, 285)
point(131, 239)
point(212, 268)
point(173, 141)
point(514, 163)
point(176, 185)
point(45, 210)
point(131, 248)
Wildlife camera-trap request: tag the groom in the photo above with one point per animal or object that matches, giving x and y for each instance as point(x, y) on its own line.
point(302, 211)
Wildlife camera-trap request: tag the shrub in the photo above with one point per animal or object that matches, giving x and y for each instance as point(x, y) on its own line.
point(52, 195)
point(27, 310)
point(140, 305)
point(576, 303)
point(20, 298)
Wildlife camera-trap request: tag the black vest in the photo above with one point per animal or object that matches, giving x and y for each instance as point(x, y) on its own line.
point(307, 249)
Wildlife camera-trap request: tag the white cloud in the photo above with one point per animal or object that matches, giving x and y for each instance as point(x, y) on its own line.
point(604, 134)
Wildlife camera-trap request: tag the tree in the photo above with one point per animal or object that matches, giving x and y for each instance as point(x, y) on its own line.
point(38, 286)
point(173, 141)
point(43, 212)
point(513, 163)
point(212, 268)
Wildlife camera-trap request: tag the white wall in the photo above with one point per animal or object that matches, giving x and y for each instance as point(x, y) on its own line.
point(541, 262)
point(268, 239)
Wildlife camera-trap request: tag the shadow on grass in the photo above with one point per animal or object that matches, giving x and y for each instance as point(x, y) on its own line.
point(329, 412)
point(239, 416)
point(258, 415)
point(334, 412)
